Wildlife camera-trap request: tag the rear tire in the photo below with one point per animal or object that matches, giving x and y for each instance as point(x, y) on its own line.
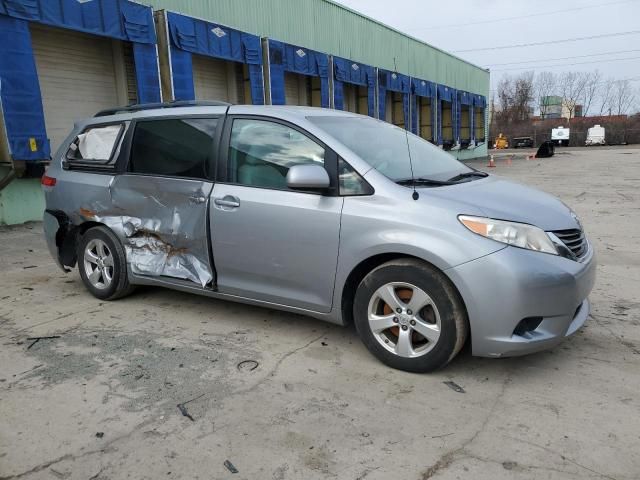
point(410, 316)
point(103, 265)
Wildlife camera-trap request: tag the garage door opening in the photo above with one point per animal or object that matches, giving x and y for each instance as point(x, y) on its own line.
point(302, 90)
point(221, 80)
point(394, 112)
point(297, 90)
point(465, 126)
point(446, 121)
point(79, 75)
point(425, 118)
point(356, 99)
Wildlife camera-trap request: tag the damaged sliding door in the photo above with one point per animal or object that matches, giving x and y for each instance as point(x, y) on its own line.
point(162, 199)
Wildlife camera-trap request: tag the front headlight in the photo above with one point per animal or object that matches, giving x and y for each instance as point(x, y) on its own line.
point(512, 233)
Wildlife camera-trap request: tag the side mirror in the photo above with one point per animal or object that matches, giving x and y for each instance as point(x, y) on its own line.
point(308, 177)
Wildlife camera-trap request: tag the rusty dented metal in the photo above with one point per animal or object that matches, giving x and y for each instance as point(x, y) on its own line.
point(161, 223)
point(149, 253)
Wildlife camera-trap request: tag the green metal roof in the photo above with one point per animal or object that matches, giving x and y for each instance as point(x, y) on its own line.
point(328, 27)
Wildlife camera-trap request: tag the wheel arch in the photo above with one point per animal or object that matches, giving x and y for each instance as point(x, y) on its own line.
point(357, 274)
point(68, 236)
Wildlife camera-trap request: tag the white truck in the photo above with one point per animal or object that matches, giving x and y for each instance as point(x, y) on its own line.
point(595, 136)
point(560, 136)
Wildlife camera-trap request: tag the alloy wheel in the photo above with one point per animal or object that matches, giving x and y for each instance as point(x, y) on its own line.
point(98, 264)
point(404, 319)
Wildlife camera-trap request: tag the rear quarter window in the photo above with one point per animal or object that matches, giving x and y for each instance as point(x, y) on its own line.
point(96, 146)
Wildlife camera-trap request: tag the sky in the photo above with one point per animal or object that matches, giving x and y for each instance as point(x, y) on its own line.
point(455, 25)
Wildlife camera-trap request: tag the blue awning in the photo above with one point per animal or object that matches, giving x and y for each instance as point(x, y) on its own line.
point(394, 82)
point(352, 72)
point(465, 98)
point(445, 93)
point(423, 88)
point(214, 40)
point(120, 19)
point(284, 57)
point(479, 101)
point(191, 35)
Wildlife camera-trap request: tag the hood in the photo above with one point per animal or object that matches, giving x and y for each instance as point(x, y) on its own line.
point(506, 200)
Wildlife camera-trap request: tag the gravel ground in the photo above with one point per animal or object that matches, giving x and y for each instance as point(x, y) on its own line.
point(282, 396)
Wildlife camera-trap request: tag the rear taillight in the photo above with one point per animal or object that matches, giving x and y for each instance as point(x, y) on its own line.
point(48, 181)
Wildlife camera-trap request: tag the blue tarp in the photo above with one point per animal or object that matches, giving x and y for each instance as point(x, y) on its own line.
point(284, 57)
point(346, 71)
point(393, 82)
point(425, 89)
point(191, 35)
point(19, 85)
point(145, 58)
point(20, 92)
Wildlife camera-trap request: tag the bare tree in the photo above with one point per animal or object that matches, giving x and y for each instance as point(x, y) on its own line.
point(623, 96)
point(545, 86)
point(606, 96)
point(572, 86)
point(503, 96)
point(514, 97)
point(636, 107)
point(592, 84)
point(523, 95)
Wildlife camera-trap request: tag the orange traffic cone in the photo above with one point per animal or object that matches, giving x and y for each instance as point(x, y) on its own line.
point(492, 163)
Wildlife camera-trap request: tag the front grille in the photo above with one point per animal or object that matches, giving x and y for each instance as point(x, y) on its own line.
point(574, 240)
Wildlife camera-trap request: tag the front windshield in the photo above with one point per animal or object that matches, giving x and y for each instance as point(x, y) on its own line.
point(384, 147)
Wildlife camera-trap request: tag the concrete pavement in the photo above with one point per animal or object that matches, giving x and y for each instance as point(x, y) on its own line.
point(101, 400)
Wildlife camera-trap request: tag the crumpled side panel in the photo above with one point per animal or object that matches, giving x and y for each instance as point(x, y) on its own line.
point(168, 234)
point(149, 254)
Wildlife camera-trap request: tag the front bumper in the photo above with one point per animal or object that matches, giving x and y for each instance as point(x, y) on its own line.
point(505, 287)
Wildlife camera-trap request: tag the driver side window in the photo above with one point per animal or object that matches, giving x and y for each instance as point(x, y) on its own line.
point(261, 153)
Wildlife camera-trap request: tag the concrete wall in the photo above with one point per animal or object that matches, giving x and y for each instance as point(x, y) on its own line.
point(21, 201)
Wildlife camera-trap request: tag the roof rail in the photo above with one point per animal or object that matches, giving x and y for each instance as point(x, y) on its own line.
point(136, 107)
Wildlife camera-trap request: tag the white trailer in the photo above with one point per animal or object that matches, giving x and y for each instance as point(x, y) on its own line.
point(595, 136)
point(560, 136)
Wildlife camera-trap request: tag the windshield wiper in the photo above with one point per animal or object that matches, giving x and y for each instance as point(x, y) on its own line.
point(423, 181)
point(462, 176)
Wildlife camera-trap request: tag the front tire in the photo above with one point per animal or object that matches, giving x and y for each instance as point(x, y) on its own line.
point(409, 315)
point(103, 265)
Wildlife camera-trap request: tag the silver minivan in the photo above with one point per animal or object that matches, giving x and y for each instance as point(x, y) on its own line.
point(324, 213)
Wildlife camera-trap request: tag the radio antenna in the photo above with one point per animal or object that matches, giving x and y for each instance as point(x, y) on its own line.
point(415, 194)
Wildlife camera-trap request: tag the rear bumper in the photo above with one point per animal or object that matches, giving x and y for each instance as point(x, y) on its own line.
point(512, 284)
point(51, 227)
